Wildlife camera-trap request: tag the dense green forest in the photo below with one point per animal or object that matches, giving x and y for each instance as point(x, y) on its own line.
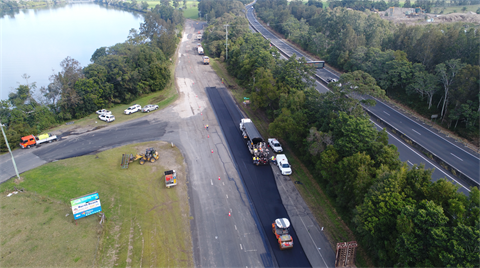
point(433, 69)
point(397, 214)
point(117, 74)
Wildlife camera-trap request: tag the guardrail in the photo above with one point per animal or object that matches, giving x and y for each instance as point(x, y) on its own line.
point(454, 171)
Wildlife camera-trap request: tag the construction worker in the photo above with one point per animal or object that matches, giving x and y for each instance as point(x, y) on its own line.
point(254, 160)
point(274, 160)
point(206, 127)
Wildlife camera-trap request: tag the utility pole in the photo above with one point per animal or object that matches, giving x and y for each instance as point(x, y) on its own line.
point(226, 42)
point(206, 17)
point(8, 146)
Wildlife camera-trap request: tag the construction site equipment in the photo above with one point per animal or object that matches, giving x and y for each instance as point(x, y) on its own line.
point(346, 252)
point(206, 60)
point(170, 178)
point(151, 155)
point(256, 145)
point(30, 140)
point(280, 229)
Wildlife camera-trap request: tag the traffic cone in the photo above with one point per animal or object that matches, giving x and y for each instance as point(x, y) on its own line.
point(218, 178)
point(212, 151)
point(208, 136)
point(229, 214)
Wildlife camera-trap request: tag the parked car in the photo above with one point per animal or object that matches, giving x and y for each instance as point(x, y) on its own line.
point(331, 80)
point(103, 111)
point(149, 107)
point(283, 164)
point(107, 117)
point(133, 109)
point(275, 145)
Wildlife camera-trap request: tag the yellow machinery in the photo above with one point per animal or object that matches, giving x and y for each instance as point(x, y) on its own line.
point(151, 155)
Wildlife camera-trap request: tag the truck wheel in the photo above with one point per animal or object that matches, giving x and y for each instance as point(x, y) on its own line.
point(28, 146)
point(152, 159)
point(141, 162)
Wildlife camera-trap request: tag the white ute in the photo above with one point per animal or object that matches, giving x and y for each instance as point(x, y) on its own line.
point(283, 164)
point(133, 109)
point(275, 145)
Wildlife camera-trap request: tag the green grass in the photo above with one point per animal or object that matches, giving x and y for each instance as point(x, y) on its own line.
point(191, 12)
point(146, 224)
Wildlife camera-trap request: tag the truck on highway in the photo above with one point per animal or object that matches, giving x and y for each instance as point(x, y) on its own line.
point(200, 51)
point(255, 143)
point(283, 164)
point(30, 140)
point(280, 229)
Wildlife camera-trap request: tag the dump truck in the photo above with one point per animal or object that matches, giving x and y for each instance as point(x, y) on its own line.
point(170, 178)
point(30, 140)
point(280, 229)
point(200, 51)
point(256, 145)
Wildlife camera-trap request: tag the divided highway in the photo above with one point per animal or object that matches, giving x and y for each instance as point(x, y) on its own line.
point(466, 162)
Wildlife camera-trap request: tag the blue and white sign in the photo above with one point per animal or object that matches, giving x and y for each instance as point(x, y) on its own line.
point(85, 205)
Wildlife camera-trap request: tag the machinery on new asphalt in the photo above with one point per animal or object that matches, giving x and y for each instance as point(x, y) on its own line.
point(151, 155)
point(170, 178)
point(280, 229)
point(256, 145)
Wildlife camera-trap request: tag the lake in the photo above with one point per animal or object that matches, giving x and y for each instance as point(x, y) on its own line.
point(35, 41)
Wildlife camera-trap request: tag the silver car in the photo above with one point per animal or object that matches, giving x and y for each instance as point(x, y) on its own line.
point(149, 107)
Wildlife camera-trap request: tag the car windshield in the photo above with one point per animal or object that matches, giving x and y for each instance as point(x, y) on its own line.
point(276, 144)
point(285, 165)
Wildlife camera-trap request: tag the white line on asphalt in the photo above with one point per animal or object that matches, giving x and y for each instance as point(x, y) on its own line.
point(457, 157)
point(386, 113)
point(416, 132)
point(223, 183)
point(211, 182)
point(235, 227)
point(227, 196)
point(439, 169)
point(241, 247)
point(409, 162)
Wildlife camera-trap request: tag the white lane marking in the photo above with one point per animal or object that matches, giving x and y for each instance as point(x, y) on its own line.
point(223, 183)
point(235, 227)
point(439, 169)
point(426, 128)
point(227, 196)
point(211, 182)
point(416, 132)
point(386, 113)
point(457, 157)
point(409, 163)
point(241, 247)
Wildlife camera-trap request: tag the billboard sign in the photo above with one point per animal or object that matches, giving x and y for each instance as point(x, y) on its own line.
point(85, 205)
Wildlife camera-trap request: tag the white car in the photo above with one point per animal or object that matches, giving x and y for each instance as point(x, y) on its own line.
point(331, 80)
point(283, 164)
point(149, 107)
point(107, 117)
point(133, 109)
point(275, 145)
point(103, 111)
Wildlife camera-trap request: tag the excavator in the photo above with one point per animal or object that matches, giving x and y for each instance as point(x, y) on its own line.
point(151, 155)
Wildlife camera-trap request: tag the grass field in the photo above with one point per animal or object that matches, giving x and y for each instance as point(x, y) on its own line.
point(318, 202)
point(146, 225)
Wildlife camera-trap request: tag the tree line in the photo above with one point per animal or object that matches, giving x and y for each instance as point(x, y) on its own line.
point(397, 213)
point(433, 69)
point(117, 74)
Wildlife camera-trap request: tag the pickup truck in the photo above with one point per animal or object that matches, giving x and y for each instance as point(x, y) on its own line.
point(275, 145)
point(206, 60)
point(30, 140)
point(283, 164)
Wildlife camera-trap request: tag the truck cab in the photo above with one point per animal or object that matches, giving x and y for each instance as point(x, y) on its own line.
point(28, 141)
point(283, 164)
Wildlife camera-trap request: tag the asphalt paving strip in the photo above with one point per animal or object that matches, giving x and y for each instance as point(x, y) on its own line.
point(259, 180)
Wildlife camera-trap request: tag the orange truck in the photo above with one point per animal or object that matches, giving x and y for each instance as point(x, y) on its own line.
point(30, 140)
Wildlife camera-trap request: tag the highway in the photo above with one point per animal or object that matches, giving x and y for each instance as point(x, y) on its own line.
point(446, 149)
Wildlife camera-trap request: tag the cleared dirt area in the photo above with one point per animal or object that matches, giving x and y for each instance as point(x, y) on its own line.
point(398, 16)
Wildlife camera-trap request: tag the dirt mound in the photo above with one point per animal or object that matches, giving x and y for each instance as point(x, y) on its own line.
point(454, 17)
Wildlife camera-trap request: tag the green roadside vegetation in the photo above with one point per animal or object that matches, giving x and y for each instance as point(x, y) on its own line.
point(147, 225)
point(338, 156)
point(319, 203)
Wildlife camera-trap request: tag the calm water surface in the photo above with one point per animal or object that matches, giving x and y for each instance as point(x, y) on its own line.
point(35, 41)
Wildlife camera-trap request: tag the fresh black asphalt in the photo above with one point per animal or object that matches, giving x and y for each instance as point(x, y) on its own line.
point(259, 180)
